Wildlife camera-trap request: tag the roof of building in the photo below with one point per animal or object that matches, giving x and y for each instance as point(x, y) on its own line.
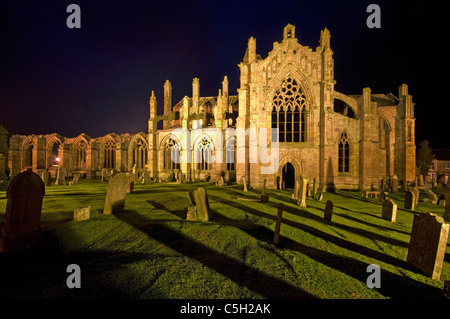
point(382, 99)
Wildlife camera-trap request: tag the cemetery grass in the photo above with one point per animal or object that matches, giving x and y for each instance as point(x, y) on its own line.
point(150, 250)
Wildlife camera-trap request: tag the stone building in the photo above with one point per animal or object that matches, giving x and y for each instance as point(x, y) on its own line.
point(440, 167)
point(286, 120)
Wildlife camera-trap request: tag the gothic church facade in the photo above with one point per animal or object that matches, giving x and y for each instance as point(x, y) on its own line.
point(287, 99)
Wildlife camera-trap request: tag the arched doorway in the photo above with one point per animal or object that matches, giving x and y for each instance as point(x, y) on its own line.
point(288, 176)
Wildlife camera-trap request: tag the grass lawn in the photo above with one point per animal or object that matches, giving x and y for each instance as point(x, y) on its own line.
point(151, 251)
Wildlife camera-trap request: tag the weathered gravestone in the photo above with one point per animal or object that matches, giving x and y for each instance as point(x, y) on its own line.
point(82, 213)
point(427, 244)
point(105, 174)
point(389, 211)
point(202, 203)
point(394, 184)
point(382, 197)
point(416, 192)
point(148, 178)
point(302, 184)
point(46, 178)
point(431, 196)
point(130, 183)
point(61, 176)
point(410, 200)
point(192, 207)
point(116, 194)
point(315, 189)
point(75, 179)
point(328, 213)
point(23, 212)
point(2, 167)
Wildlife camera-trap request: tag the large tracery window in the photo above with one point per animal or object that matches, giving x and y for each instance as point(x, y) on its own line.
point(344, 154)
point(204, 154)
point(171, 154)
point(110, 154)
point(81, 154)
point(289, 112)
point(231, 154)
point(139, 154)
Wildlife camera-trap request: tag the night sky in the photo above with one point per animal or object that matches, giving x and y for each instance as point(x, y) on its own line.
point(98, 79)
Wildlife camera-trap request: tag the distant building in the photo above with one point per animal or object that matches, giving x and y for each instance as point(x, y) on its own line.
point(440, 167)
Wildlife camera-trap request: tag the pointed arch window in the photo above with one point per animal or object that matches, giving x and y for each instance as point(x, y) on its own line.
point(231, 154)
point(81, 154)
point(171, 154)
point(289, 114)
point(139, 150)
point(204, 154)
point(344, 154)
point(110, 154)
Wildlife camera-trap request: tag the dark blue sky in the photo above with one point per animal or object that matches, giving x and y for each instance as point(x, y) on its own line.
point(98, 79)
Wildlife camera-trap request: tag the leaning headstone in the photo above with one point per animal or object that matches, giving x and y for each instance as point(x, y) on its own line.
point(416, 192)
point(115, 194)
point(61, 176)
point(301, 198)
point(245, 184)
point(315, 188)
point(427, 244)
point(130, 183)
point(389, 211)
point(382, 196)
point(202, 203)
point(23, 212)
point(410, 200)
point(75, 179)
point(432, 196)
point(46, 178)
point(328, 213)
point(82, 213)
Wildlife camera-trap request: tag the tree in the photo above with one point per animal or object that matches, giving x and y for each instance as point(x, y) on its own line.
point(424, 158)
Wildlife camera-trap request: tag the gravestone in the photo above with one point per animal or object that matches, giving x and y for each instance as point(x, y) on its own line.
point(276, 235)
point(116, 194)
point(2, 167)
point(301, 198)
point(389, 211)
point(82, 213)
point(22, 222)
point(328, 213)
point(416, 192)
point(202, 203)
point(104, 174)
point(46, 178)
point(245, 184)
point(295, 194)
point(61, 176)
point(315, 189)
point(75, 179)
point(394, 184)
point(148, 179)
point(410, 200)
point(428, 186)
point(130, 183)
point(427, 244)
point(431, 196)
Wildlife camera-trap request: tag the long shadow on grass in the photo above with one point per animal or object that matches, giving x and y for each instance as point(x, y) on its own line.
point(240, 273)
point(328, 237)
point(392, 285)
point(40, 272)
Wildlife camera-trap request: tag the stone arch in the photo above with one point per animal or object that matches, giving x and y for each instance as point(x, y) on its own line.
point(170, 149)
point(351, 102)
point(79, 151)
point(108, 150)
point(27, 150)
point(345, 152)
point(50, 150)
point(203, 152)
point(294, 161)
